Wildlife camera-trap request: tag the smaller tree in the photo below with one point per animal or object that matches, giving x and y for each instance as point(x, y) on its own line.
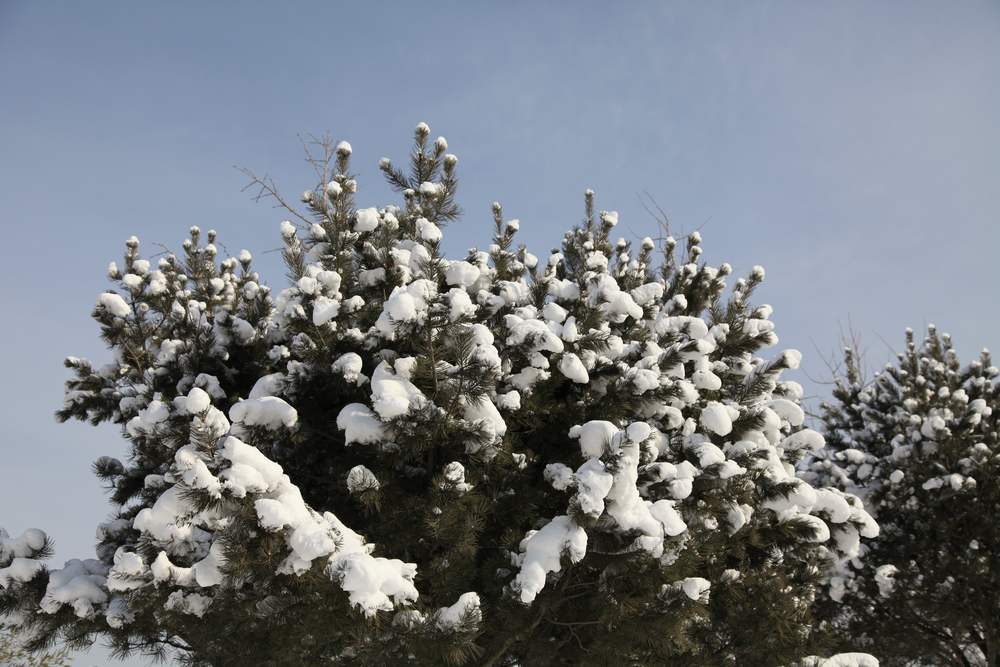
point(919, 443)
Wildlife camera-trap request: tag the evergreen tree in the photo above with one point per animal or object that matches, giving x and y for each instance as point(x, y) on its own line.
point(842, 419)
point(919, 444)
point(576, 461)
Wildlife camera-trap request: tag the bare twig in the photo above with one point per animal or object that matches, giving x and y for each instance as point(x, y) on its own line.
point(266, 188)
point(320, 164)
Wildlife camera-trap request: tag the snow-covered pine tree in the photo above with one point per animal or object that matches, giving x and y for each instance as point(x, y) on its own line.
point(919, 443)
point(842, 417)
point(578, 461)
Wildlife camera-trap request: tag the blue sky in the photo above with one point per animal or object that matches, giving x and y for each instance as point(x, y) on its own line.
point(850, 148)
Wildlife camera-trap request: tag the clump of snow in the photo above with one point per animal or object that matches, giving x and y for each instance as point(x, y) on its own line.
point(559, 475)
point(885, 579)
point(484, 414)
point(374, 584)
point(717, 418)
point(269, 412)
point(80, 584)
point(571, 366)
point(593, 482)
point(360, 479)
point(461, 274)
point(510, 400)
point(542, 552)
point(197, 401)
point(349, 365)
point(188, 603)
point(360, 425)
point(268, 385)
point(114, 304)
point(465, 610)
point(696, 587)
point(841, 660)
point(792, 358)
point(367, 220)
point(24, 545)
point(454, 477)
point(807, 439)
point(461, 305)
point(19, 570)
point(594, 436)
point(428, 231)
point(541, 337)
point(393, 395)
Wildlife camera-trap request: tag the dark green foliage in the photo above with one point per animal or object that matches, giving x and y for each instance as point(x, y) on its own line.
point(196, 322)
point(919, 442)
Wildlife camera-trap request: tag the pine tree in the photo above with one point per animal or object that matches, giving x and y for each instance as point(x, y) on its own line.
point(919, 443)
point(836, 463)
point(578, 461)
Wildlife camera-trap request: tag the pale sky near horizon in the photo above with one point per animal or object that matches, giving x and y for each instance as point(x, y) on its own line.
point(851, 148)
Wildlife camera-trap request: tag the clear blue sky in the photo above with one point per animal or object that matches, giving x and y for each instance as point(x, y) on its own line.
point(852, 148)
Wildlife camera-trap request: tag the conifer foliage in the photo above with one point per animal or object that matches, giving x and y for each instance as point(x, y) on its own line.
point(919, 443)
point(13, 655)
point(405, 459)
